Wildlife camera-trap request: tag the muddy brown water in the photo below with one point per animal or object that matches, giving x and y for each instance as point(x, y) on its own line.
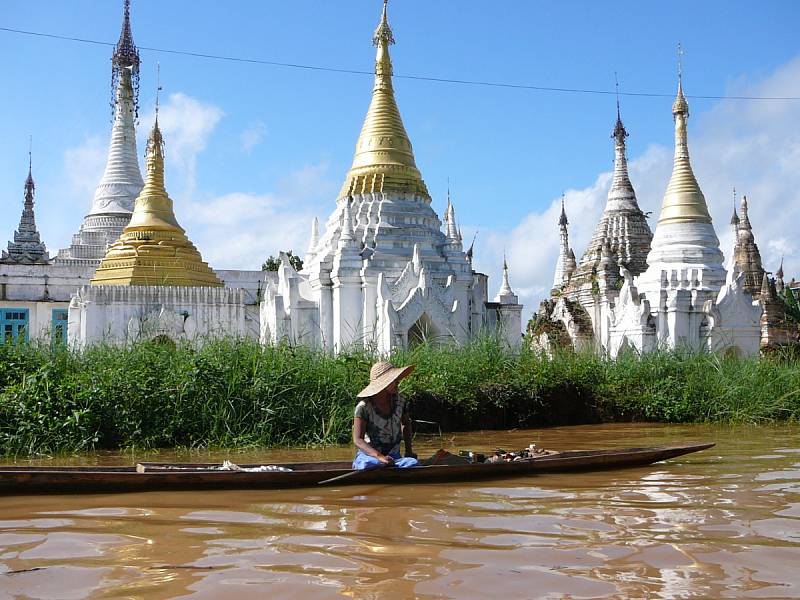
point(721, 523)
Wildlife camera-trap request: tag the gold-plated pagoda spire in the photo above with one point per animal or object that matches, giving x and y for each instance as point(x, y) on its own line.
point(683, 201)
point(153, 249)
point(384, 158)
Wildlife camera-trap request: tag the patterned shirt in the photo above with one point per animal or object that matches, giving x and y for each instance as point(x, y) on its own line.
point(383, 432)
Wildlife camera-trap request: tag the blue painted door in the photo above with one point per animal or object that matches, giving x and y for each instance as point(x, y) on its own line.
point(14, 324)
point(58, 326)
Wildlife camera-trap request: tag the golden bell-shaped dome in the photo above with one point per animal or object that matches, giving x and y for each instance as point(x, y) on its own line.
point(683, 201)
point(384, 158)
point(153, 249)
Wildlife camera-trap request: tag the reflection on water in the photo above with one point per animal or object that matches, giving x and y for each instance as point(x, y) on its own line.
point(722, 523)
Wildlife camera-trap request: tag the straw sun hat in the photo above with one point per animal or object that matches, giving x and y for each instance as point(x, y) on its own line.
point(382, 375)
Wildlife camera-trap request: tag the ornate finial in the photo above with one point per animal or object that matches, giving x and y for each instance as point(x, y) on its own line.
point(620, 133)
point(29, 185)
point(125, 56)
point(449, 203)
point(158, 87)
point(680, 106)
point(779, 272)
point(563, 219)
point(735, 217)
point(383, 34)
point(154, 153)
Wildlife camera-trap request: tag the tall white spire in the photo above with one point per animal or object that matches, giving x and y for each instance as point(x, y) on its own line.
point(122, 179)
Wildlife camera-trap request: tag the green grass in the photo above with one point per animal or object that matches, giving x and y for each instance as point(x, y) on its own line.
point(235, 393)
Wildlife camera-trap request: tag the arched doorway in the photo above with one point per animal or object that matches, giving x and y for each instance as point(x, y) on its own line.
point(424, 331)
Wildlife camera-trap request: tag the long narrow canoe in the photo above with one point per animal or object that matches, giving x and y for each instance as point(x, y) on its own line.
point(17, 480)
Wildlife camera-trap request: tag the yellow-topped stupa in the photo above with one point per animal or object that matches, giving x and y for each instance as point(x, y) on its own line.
point(384, 158)
point(683, 201)
point(153, 249)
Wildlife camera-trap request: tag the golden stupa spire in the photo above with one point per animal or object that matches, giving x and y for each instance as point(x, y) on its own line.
point(153, 249)
point(683, 201)
point(384, 158)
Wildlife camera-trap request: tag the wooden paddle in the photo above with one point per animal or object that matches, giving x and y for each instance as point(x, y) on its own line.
point(439, 457)
point(354, 472)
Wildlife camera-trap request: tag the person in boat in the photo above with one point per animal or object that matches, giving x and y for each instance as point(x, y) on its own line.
point(381, 420)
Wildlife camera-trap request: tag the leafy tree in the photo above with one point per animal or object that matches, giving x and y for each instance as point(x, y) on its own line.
point(792, 304)
point(274, 262)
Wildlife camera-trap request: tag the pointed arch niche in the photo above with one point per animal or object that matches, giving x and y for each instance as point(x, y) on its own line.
point(425, 331)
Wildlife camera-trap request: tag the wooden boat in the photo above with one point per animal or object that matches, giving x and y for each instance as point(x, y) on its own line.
point(18, 480)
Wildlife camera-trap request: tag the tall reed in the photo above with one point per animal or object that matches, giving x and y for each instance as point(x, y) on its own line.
point(237, 393)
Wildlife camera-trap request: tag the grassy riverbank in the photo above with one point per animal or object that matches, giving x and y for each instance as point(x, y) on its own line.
point(235, 393)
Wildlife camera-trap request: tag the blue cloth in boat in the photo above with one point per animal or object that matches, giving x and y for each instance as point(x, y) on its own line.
point(363, 461)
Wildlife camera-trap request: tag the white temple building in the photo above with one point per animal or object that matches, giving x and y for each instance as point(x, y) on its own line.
point(634, 290)
point(384, 274)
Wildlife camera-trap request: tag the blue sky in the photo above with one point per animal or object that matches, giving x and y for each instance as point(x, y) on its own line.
point(256, 150)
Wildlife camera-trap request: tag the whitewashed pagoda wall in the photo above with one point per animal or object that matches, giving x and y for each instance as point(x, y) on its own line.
point(121, 315)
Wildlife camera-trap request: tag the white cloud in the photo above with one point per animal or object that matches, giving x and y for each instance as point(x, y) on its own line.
point(240, 230)
point(83, 167)
point(253, 135)
point(187, 124)
point(750, 144)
